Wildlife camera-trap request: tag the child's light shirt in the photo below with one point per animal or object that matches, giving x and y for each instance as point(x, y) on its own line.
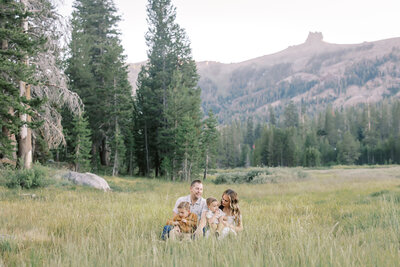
point(210, 214)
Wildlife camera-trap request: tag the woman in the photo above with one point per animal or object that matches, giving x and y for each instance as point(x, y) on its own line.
point(230, 207)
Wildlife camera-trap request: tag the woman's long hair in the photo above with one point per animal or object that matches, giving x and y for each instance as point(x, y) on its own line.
point(233, 204)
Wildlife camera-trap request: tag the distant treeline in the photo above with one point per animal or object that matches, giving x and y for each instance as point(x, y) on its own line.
point(363, 134)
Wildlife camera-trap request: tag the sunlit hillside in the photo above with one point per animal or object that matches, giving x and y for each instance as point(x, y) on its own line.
point(314, 73)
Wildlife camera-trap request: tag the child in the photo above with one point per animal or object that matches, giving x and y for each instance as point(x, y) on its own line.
point(215, 216)
point(185, 223)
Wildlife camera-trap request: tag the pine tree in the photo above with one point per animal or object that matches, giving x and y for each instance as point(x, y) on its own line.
point(348, 149)
point(209, 139)
point(272, 118)
point(130, 148)
point(269, 149)
point(155, 79)
point(291, 115)
point(172, 130)
point(244, 160)
point(98, 74)
point(395, 131)
point(278, 147)
point(120, 109)
point(180, 113)
point(230, 146)
point(249, 138)
point(330, 129)
point(18, 44)
point(168, 99)
point(145, 110)
point(259, 146)
point(312, 157)
point(80, 136)
point(188, 138)
point(258, 131)
point(118, 150)
point(289, 148)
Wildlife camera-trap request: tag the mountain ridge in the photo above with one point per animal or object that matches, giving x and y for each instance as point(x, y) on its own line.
point(314, 73)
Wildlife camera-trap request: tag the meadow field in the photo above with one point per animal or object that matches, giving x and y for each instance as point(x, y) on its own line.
point(343, 216)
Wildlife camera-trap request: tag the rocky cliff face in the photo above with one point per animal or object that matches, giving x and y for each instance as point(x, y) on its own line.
point(314, 73)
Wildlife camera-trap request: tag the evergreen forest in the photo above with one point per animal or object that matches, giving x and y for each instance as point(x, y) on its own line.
point(362, 134)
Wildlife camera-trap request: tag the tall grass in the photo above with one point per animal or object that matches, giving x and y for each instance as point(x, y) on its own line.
point(331, 218)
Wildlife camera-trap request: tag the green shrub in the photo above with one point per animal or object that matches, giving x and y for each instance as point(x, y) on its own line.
point(253, 176)
point(301, 175)
point(227, 178)
point(379, 193)
point(26, 178)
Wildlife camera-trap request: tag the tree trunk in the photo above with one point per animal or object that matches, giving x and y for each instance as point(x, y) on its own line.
point(146, 148)
point(185, 167)
point(115, 165)
point(164, 87)
point(173, 168)
point(157, 165)
point(175, 147)
point(94, 154)
point(369, 118)
point(77, 155)
point(189, 172)
point(104, 152)
point(25, 139)
point(130, 163)
point(206, 167)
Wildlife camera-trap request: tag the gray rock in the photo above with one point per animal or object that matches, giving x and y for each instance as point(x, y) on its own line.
point(88, 179)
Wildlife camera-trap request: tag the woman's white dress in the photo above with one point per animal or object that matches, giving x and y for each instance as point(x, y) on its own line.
point(227, 230)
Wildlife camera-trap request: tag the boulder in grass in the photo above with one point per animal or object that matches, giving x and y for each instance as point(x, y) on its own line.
point(88, 179)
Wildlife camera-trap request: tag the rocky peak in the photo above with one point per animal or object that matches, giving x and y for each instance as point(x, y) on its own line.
point(314, 38)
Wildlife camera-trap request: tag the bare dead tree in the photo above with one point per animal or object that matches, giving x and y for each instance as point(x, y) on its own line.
point(53, 83)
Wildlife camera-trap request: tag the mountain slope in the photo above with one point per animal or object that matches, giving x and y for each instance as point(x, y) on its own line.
point(314, 73)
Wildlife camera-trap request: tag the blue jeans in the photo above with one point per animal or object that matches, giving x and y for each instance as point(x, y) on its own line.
point(165, 232)
point(168, 228)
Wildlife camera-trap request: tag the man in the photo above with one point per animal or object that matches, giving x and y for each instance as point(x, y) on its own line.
point(198, 206)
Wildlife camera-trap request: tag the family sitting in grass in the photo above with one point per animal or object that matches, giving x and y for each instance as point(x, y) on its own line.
point(193, 216)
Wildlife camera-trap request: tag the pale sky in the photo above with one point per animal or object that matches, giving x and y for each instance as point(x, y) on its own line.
point(237, 30)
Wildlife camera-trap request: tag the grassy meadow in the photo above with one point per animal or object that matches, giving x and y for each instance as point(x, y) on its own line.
point(347, 216)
